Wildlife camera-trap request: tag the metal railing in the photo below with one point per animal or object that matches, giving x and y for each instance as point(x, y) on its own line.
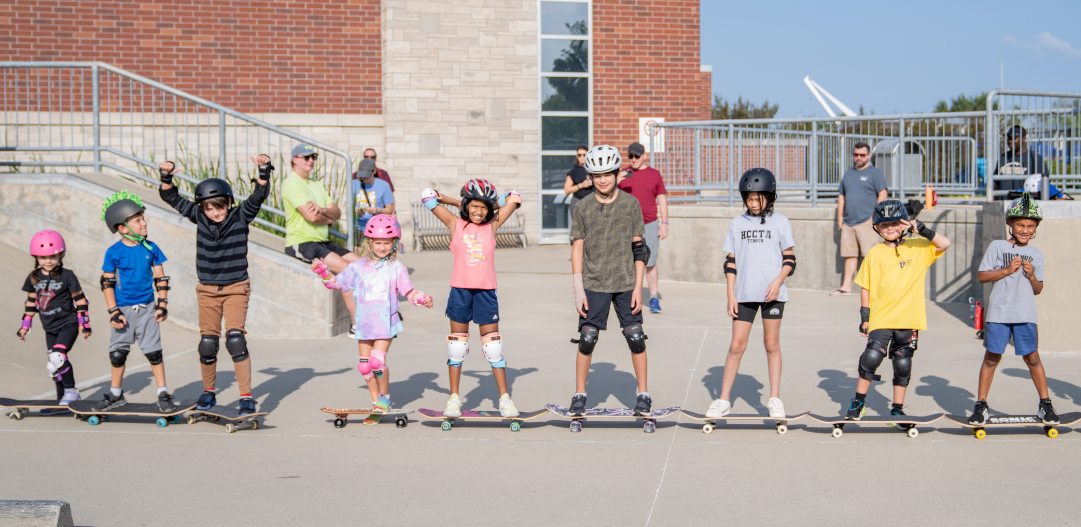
point(1050, 121)
point(57, 112)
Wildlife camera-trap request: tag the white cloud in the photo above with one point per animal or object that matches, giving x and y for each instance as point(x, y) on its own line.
point(1048, 41)
point(1009, 39)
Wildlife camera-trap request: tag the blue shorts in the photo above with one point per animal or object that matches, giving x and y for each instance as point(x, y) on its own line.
point(477, 305)
point(1025, 337)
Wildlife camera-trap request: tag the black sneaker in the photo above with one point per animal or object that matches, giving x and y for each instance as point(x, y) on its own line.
point(856, 410)
point(894, 411)
point(247, 406)
point(578, 405)
point(165, 403)
point(1047, 412)
point(110, 402)
point(643, 406)
point(979, 414)
point(206, 401)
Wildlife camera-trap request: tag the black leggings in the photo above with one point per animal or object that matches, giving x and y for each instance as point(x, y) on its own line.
point(65, 337)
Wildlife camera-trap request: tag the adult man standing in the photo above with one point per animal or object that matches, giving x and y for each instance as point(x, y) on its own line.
point(861, 188)
point(372, 196)
point(369, 153)
point(1018, 161)
point(309, 212)
point(647, 185)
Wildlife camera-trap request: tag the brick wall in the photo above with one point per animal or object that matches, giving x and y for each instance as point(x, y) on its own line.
point(319, 56)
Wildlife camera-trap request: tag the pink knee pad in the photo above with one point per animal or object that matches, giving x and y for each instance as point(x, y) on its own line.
point(378, 360)
point(365, 369)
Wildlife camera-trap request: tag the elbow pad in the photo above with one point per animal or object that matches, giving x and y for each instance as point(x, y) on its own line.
point(640, 251)
point(790, 261)
point(107, 283)
point(730, 265)
point(162, 283)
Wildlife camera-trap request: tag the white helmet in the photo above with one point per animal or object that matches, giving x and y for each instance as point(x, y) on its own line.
point(1032, 184)
point(602, 159)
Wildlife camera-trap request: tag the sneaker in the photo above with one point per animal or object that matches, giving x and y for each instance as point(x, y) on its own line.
point(70, 396)
point(506, 406)
point(454, 406)
point(856, 409)
point(206, 401)
point(1047, 412)
point(654, 305)
point(247, 406)
point(719, 408)
point(165, 403)
point(979, 414)
point(110, 402)
point(382, 403)
point(578, 405)
point(353, 331)
point(643, 406)
point(775, 407)
point(894, 411)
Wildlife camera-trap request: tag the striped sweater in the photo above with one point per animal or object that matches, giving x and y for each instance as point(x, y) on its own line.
point(221, 249)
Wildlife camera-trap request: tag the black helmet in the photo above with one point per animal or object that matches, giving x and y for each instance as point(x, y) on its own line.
point(889, 210)
point(212, 188)
point(758, 180)
point(119, 207)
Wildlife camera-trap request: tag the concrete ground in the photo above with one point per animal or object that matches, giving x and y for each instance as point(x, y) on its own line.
point(298, 469)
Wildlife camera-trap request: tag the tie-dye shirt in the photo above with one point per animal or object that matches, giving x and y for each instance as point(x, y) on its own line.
point(473, 247)
point(375, 288)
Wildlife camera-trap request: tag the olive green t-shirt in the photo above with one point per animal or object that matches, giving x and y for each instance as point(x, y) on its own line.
point(608, 265)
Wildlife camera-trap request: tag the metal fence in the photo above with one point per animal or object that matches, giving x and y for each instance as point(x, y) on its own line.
point(94, 115)
point(1049, 144)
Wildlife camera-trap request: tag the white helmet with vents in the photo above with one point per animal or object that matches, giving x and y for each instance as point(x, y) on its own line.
point(602, 159)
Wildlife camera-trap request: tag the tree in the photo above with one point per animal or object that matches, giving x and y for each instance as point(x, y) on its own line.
point(741, 109)
point(963, 103)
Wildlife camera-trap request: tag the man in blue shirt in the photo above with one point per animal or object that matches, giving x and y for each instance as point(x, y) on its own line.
point(371, 196)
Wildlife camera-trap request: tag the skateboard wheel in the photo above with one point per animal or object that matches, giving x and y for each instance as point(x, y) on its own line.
point(912, 432)
point(15, 415)
point(400, 422)
point(1052, 432)
point(104, 418)
point(254, 424)
point(445, 426)
point(837, 432)
point(93, 420)
point(191, 419)
point(24, 411)
point(576, 426)
point(782, 429)
point(707, 429)
point(980, 433)
point(230, 428)
point(339, 423)
point(649, 427)
point(176, 419)
point(979, 334)
point(515, 426)
point(162, 422)
point(216, 418)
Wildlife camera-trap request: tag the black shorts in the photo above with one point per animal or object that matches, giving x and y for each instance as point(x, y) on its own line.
point(308, 251)
point(65, 336)
point(770, 310)
point(597, 314)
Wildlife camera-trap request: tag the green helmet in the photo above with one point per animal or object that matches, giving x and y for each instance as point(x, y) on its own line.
point(1024, 207)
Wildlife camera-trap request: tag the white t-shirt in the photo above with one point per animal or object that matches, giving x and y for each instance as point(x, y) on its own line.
point(757, 248)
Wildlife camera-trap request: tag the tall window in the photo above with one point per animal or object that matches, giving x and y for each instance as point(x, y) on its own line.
point(566, 104)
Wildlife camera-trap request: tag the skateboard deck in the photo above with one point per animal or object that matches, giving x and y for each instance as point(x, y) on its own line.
point(85, 407)
point(219, 411)
point(342, 415)
point(493, 415)
point(21, 407)
point(907, 422)
point(711, 422)
point(1003, 421)
point(649, 421)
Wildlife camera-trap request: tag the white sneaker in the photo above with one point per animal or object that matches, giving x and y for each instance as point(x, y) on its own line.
point(454, 406)
point(719, 408)
point(506, 406)
point(70, 396)
point(775, 407)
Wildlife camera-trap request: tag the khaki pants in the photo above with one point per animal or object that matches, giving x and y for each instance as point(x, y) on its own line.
point(857, 240)
point(228, 302)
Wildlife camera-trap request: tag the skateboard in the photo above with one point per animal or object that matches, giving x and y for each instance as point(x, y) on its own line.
point(711, 422)
point(649, 424)
point(21, 408)
point(218, 412)
point(906, 422)
point(1002, 421)
point(448, 422)
point(342, 415)
point(85, 407)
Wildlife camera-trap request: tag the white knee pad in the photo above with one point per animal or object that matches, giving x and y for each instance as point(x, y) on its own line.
point(56, 360)
point(457, 348)
point(492, 345)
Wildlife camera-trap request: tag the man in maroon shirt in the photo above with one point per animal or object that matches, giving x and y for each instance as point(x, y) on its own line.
point(647, 185)
point(380, 173)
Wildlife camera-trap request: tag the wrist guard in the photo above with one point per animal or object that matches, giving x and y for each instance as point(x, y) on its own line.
point(28, 320)
point(865, 316)
point(116, 315)
point(265, 171)
point(167, 177)
point(84, 320)
point(430, 198)
point(923, 230)
point(418, 298)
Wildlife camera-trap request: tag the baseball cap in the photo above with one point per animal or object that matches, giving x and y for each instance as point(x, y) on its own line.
point(365, 167)
point(302, 150)
point(636, 149)
point(1015, 131)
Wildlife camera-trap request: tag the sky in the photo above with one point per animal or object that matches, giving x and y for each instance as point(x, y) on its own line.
point(890, 57)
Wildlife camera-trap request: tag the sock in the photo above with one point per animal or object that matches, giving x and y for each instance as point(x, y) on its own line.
point(644, 393)
point(654, 297)
point(163, 389)
point(211, 390)
point(897, 406)
point(861, 397)
point(1048, 401)
point(117, 392)
point(583, 394)
point(245, 396)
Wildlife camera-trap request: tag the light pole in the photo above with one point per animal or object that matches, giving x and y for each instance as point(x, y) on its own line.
point(1001, 75)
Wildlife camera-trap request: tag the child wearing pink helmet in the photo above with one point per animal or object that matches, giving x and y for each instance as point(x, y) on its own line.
point(376, 280)
point(54, 293)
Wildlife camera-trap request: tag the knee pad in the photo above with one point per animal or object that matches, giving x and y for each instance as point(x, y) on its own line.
point(236, 345)
point(457, 348)
point(154, 357)
point(902, 362)
point(588, 340)
point(208, 349)
point(57, 359)
point(118, 357)
point(378, 361)
point(492, 346)
point(636, 339)
point(870, 360)
point(365, 369)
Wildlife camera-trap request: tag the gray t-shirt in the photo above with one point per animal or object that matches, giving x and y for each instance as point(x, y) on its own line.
point(757, 248)
point(1012, 298)
point(860, 189)
point(607, 265)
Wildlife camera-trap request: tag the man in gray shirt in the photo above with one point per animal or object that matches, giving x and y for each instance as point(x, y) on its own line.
point(861, 188)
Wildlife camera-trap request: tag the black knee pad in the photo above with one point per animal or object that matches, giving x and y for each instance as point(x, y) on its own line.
point(588, 340)
point(871, 359)
point(118, 357)
point(208, 349)
point(236, 345)
point(636, 338)
point(154, 357)
point(902, 363)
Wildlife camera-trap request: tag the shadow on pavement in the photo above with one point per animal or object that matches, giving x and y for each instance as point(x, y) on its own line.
point(486, 389)
point(1060, 389)
point(842, 388)
point(951, 399)
point(283, 383)
point(745, 387)
point(134, 383)
point(403, 393)
point(606, 381)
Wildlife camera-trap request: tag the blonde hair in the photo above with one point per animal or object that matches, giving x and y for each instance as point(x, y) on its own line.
point(367, 251)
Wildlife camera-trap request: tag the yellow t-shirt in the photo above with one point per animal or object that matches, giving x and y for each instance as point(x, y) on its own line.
point(896, 283)
point(297, 191)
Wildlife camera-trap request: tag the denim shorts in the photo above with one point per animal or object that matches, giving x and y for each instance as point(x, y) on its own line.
point(1025, 337)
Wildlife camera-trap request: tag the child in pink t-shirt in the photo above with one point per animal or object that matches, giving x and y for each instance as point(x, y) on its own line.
point(376, 280)
point(472, 281)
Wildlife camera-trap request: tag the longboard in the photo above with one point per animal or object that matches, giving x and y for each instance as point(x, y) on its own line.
point(219, 412)
point(21, 407)
point(907, 422)
point(85, 407)
point(342, 415)
point(711, 422)
point(649, 421)
point(448, 422)
point(1002, 421)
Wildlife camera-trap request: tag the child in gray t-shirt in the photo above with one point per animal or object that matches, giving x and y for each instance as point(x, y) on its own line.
point(1016, 269)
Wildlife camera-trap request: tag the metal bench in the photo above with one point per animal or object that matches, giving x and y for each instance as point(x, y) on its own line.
point(430, 233)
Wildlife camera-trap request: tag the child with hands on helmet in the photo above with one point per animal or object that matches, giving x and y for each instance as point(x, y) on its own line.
point(473, 282)
point(376, 280)
point(54, 293)
point(894, 310)
point(224, 288)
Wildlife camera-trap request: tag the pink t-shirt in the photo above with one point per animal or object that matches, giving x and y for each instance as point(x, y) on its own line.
point(473, 247)
point(375, 291)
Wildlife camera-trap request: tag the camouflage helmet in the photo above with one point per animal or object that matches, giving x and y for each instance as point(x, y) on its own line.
point(1024, 207)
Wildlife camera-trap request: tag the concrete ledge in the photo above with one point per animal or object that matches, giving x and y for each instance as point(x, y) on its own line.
point(287, 299)
point(35, 514)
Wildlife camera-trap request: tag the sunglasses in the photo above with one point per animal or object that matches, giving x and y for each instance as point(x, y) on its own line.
point(857, 154)
point(580, 155)
point(634, 156)
point(310, 157)
point(369, 157)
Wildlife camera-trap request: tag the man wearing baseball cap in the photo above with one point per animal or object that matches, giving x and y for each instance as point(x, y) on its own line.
point(647, 184)
point(1017, 161)
point(372, 196)
point(309, 212)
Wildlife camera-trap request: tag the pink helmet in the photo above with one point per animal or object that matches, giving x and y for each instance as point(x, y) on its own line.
point(47, 243)
point(383, 226)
